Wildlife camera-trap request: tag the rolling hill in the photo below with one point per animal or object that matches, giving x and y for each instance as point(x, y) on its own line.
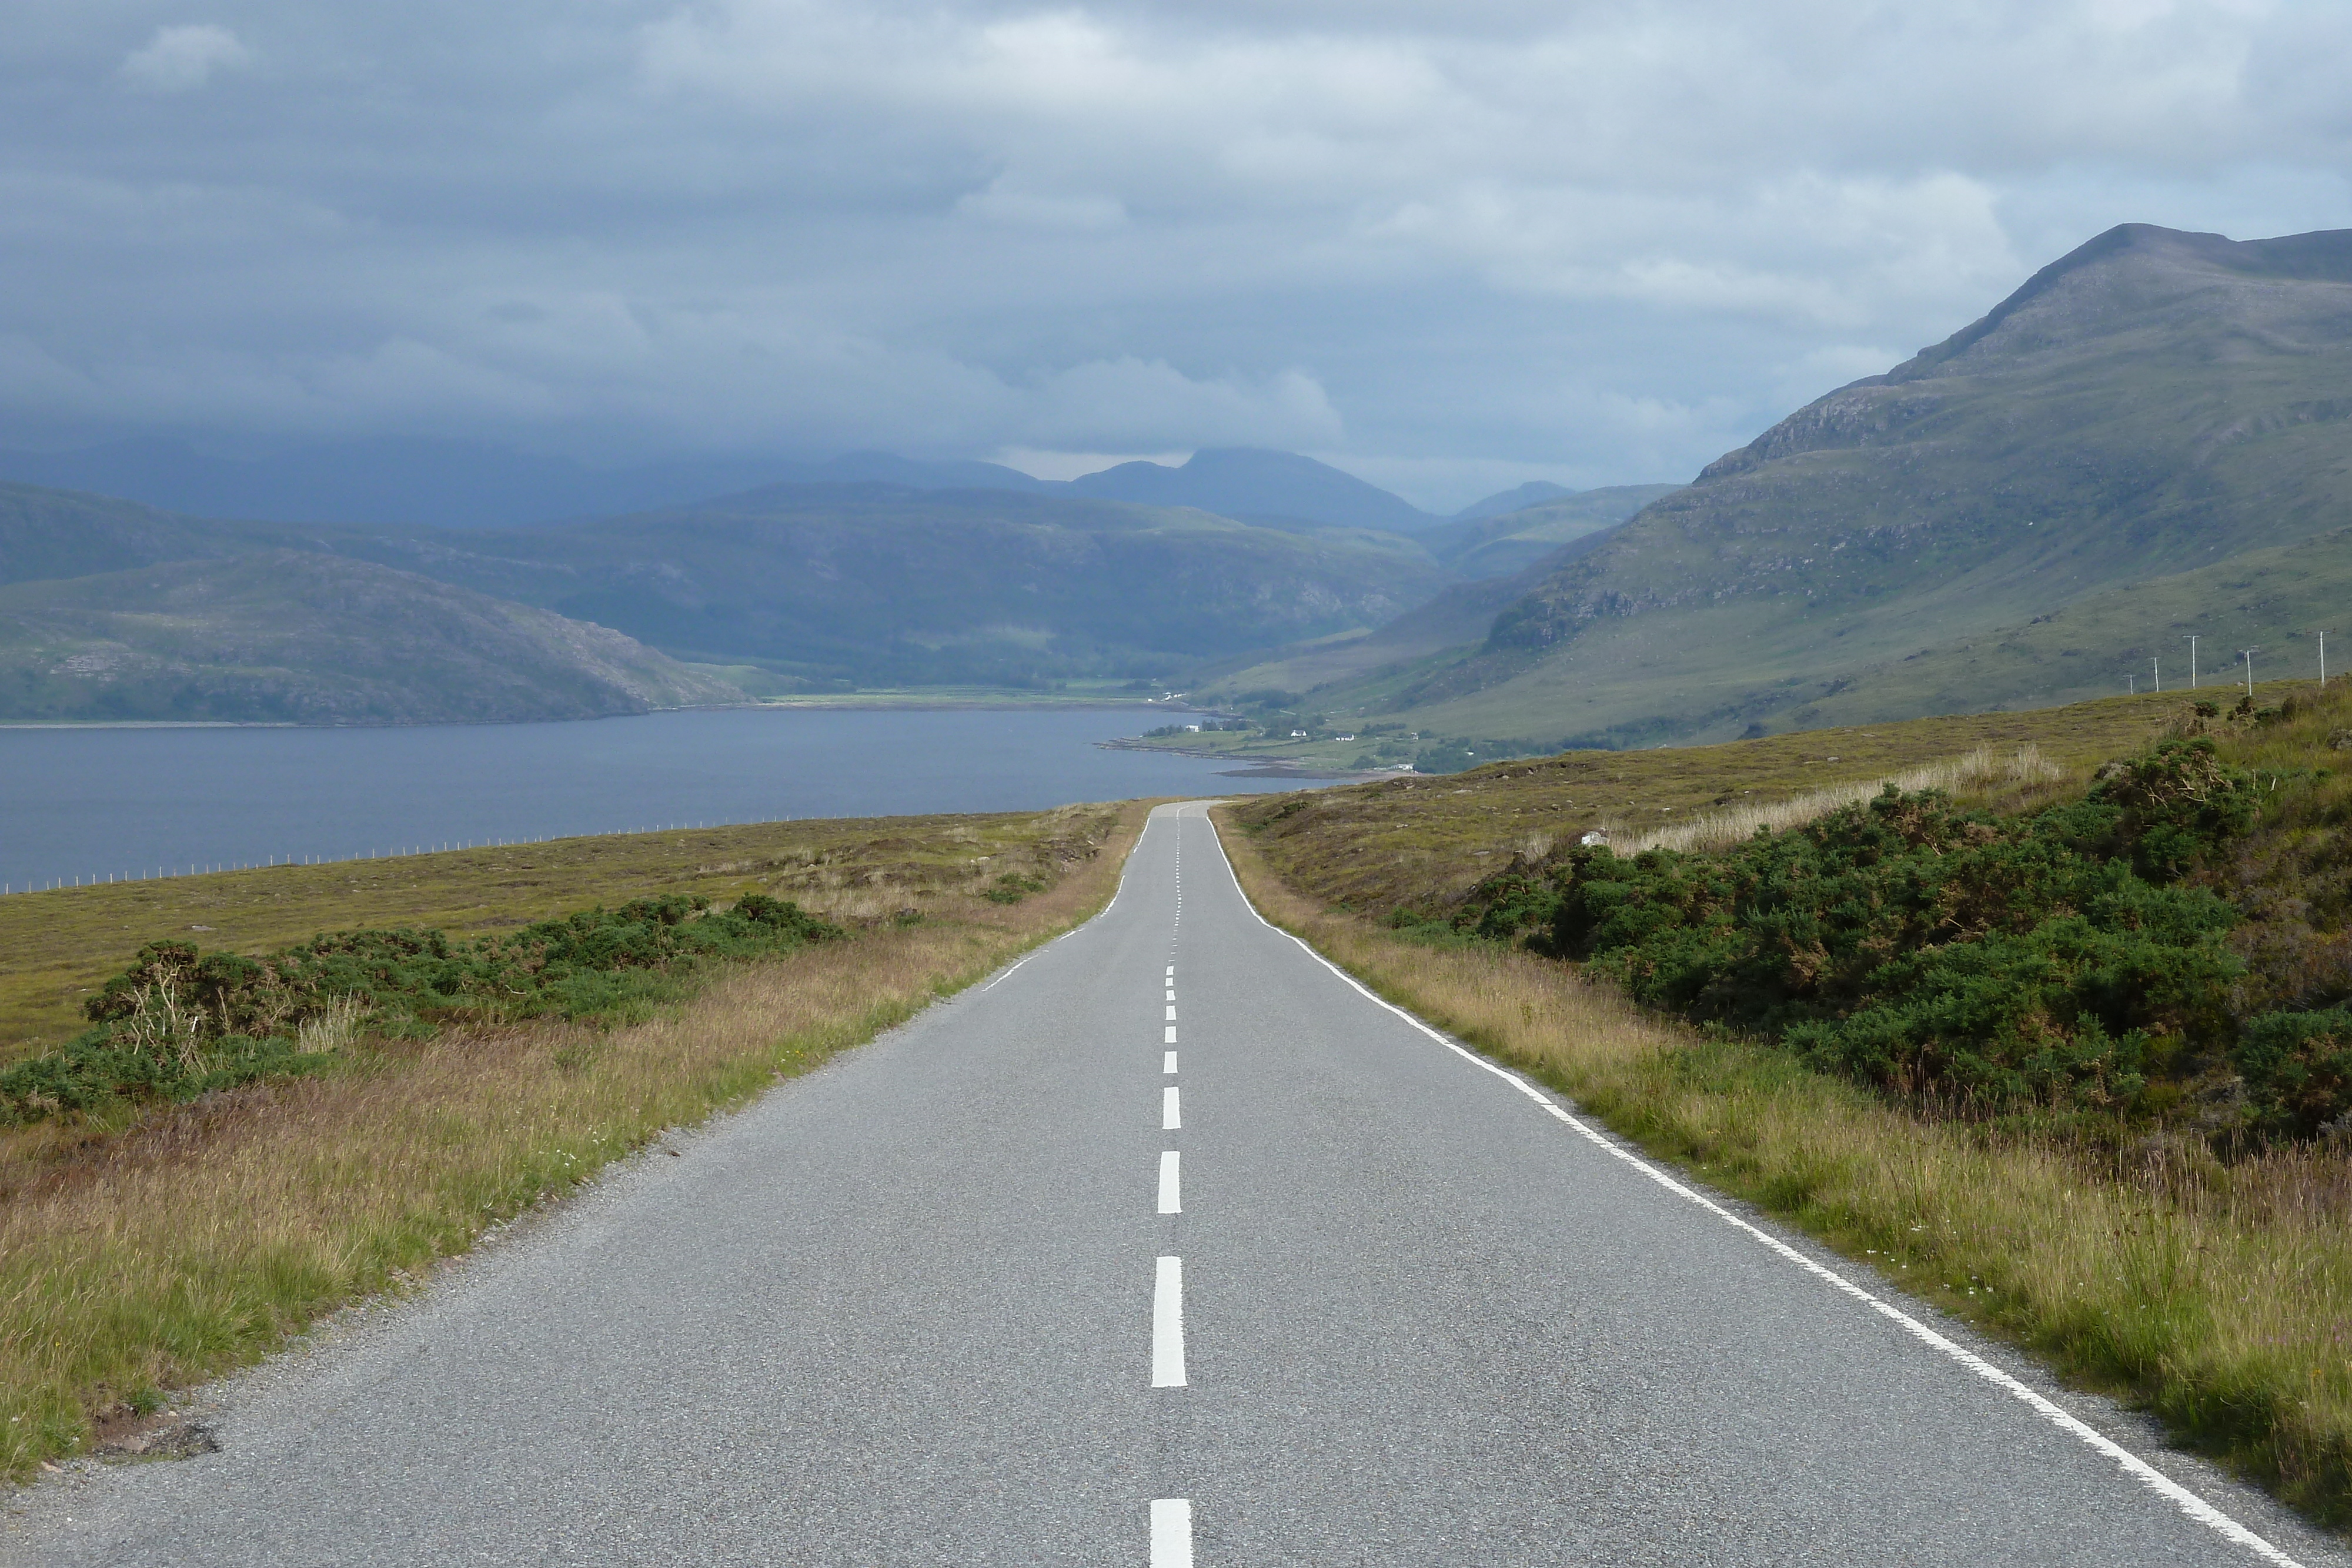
point(878, 584)
point(2152, 404)
point(292, 636)
point(833, 585)
point(1255, 485)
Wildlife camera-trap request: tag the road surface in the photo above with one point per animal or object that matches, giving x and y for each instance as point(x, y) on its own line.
point(1169, 1246)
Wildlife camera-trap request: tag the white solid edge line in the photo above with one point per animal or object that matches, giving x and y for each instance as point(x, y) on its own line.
point(1171, 1532)
point(1168, 1324)
point(1025, 958)
point(1169, 1122)
point(1117, 894)
point(2139, 1470)
point(1172, 1194)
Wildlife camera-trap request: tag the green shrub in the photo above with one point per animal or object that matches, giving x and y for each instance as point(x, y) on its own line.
point(180, 1023)
point(2058, 956)
point(1013, 887)
point(2298, 1069)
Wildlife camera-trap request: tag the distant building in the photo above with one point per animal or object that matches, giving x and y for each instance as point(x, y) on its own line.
point(1297, 735)
point(1343, 737)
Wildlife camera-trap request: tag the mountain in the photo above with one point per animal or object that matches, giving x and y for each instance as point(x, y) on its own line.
point(833, 584)
point(297, 637)
point(1255, 485)
point(2153, 403)
point(1534, 492)
point(442, 483)
point(1504, 544)
point(47, 534)
point(884, 584)
point(2278, 603)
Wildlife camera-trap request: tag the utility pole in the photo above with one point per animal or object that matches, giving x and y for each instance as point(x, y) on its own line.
point(2131, 686)
point(2192, 662)
point(2249, 672)
point(2156, 674)
point(2323, 658)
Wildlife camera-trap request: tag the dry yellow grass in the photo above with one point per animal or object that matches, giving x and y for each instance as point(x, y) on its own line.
point(1714, 829)
point(1421, 842)
point(2219, 1296)
point(195, 1240)
point(55, 947)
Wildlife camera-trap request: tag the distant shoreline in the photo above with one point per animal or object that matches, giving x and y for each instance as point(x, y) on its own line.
point(165, 724)
point(1257, 765)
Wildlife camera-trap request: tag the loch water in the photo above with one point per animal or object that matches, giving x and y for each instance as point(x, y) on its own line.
point(90, 802)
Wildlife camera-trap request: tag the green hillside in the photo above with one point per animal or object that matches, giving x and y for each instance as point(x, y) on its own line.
point(1510, 543)
point(2278, 601)
point(1375, 664)
point(2153, 403)
point(50, 534)
point(295, 637)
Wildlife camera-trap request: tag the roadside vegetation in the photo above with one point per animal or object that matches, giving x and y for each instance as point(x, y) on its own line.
point(2062, 1046)
point(58, 948)
point(370, 1102)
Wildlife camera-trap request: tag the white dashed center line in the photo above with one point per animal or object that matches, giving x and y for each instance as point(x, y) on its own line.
point(1171, 1532)
point(1168, 1036)
point(1169, 1121)
point(1172, 1015)
point(1166, 1061)
point(1172, 1199)
point(1168, 1324)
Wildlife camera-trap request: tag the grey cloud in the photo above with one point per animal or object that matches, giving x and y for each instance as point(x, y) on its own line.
point(1451, 246)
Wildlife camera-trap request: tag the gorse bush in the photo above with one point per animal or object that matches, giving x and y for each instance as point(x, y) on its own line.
point(1013, 887)
point(2059, 957)
point(180, 1023)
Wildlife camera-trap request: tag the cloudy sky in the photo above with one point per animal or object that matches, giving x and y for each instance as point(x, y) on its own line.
point(1448, 246)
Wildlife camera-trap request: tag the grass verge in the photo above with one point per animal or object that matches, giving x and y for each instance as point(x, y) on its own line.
point(56, 948)
point(141, 1258)
point(2218, 1296)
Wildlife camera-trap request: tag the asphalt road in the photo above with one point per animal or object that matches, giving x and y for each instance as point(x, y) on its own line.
point(1106, 1264)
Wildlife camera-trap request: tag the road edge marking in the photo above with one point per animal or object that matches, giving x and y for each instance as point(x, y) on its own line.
point(2139, 1470)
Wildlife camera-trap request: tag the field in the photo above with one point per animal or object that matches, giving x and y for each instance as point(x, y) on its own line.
point(56, 948)
point(2155, 1254)
point(1423, 840)
point(144, 1252)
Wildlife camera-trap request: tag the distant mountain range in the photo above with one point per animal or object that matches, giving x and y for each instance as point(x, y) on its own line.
point(2150, 440)
point(2155, 405)
point(459, 484)
point(866, 571)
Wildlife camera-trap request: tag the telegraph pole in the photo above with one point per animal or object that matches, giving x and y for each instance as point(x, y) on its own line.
point(2249, 672)
point(2192, 662)
point(2323, 658)
point(2156, 674)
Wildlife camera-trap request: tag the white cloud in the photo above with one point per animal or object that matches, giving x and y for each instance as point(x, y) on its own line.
point(1444, 242)
point(177, 59)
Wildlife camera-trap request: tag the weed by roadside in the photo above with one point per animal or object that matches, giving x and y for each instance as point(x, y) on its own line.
point(180, 1023)
point(2217, 1294)
point(147, 1247)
